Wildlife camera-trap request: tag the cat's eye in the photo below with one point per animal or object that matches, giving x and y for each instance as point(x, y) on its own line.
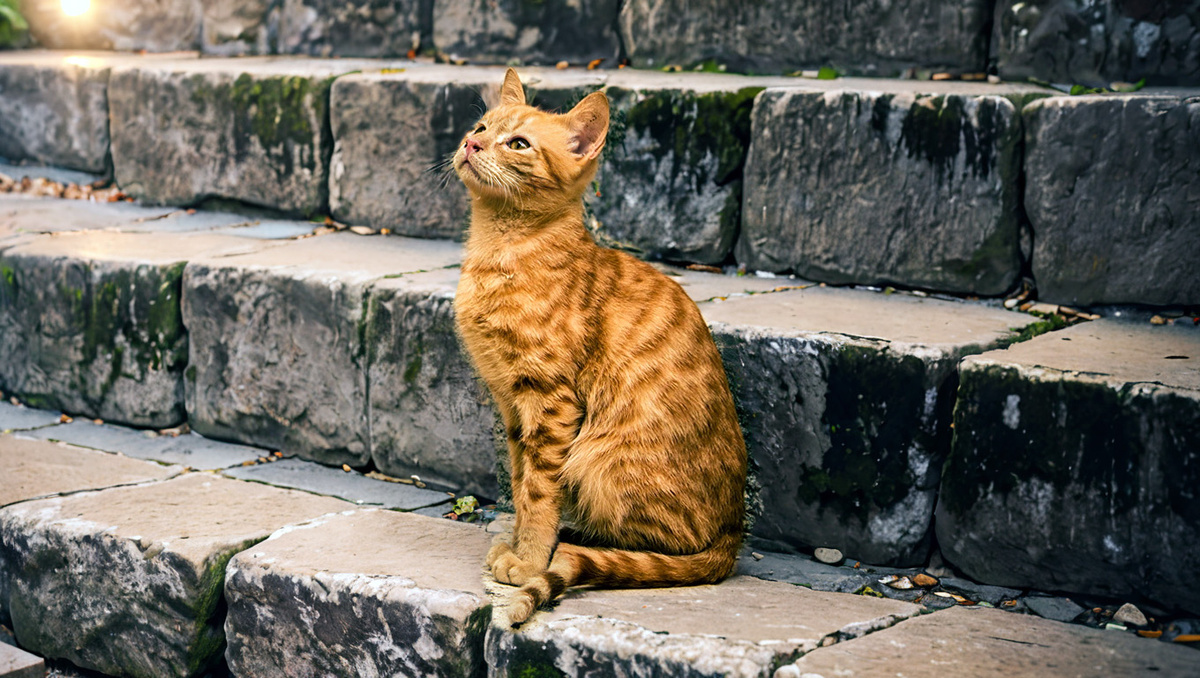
point(479, 129)
point(518, 144)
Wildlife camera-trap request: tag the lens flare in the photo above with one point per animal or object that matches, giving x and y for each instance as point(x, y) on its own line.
point(76, 7)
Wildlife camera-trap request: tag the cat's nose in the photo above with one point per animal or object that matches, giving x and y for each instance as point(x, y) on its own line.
point(472, 146)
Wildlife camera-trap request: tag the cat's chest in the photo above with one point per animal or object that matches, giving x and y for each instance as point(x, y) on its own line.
point(493, 300)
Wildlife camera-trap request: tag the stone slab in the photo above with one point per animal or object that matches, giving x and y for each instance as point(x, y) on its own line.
point(20, 418)
point(527, 32)
point(864, 187)
point(20, 214)
point(361, 593)
point(804, 571)
point(190, 450)
point(99, 580)
point(1113, 195)
point(430, 415)
point(1097, 43)
point(58, 174)
point(38, 468)
point(992, 644)
point(276, 352)
point(741, 627)
point(845, 401)
point(875, 37)
point(249, 129)
point(96, 324)
point(1074, 465)
point(361, 28)
point(334, 482)
point(17, 663)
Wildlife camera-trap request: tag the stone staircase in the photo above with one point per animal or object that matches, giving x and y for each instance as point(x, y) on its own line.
point(282, 281)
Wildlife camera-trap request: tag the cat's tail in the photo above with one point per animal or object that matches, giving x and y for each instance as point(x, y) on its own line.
point(614, 568)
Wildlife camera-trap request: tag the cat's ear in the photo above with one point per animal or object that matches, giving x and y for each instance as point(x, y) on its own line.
point(512, 92)
point(589, 125)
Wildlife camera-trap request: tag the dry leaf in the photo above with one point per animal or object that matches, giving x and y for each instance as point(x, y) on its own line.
point(346, 468)
point(925, 581)
point(562, 65)
point(594, 63)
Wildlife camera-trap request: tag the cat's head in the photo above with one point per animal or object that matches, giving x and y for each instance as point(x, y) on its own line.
point(521, 156)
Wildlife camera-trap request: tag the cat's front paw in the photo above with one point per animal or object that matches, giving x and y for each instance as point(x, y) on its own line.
point(509, 569)
point(498, 550)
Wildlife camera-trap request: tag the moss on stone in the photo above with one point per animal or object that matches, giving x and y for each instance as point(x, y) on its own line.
point(873, 413)
point(208, 640)
point(1011, 428)
point(8, 284)
point(694, 126)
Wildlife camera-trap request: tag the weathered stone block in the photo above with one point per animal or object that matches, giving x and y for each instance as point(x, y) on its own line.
point(670, 183)
point(235, 27)
point(93, 333)
point(362, 28)
point(250, 130)
point(743, 627)
point(393, 137)
point(277, 357)
point(1095, 43)
point(875, 37)
point(845, 400)
point(1075, 467)
point(1113, 195)
point(538, 32)
point(935, 644)
point(55, 112)
point(100, 580)
point(429, 414)
point(863, 187)
point(125, 25)
point(38, 468)
point(333, 598)
point(275, 360)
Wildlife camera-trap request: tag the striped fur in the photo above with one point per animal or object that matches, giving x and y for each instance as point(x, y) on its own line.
point(613, 394)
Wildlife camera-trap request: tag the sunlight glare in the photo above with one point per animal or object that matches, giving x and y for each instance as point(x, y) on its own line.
point(76, 7)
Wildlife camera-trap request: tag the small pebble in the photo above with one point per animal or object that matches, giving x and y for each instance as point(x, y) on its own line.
point(828, 556)
point(757, 556)
point(346, 468)
point(1130, 614)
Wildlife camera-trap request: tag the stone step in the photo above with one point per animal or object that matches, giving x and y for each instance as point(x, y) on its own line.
point(17, 663)
point(1075, 460)
point(341, 349)
point(993, 644)
point(912, 183)
point(1057, 40)
point(371, 592)
point(161, 574)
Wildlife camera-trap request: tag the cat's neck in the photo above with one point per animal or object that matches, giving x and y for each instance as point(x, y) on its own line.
point(503, 229)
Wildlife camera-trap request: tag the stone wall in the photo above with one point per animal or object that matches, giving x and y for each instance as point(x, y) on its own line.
point(1069, 41)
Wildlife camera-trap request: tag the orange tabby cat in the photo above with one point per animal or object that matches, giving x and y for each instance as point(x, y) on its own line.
point(618, 412)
